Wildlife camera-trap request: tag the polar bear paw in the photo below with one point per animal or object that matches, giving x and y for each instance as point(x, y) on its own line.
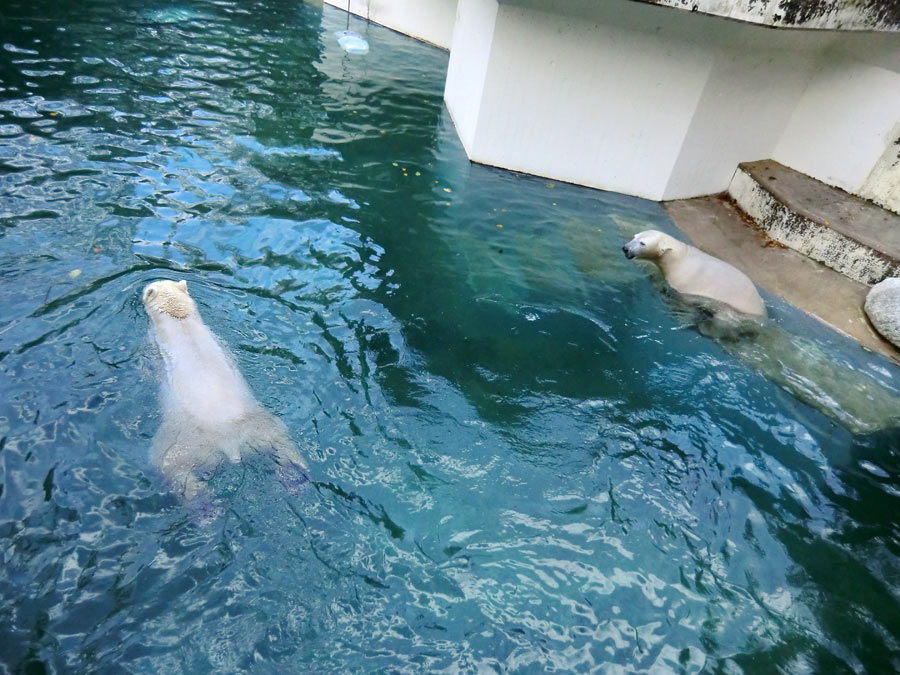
point(292, 476)
point(203, 510)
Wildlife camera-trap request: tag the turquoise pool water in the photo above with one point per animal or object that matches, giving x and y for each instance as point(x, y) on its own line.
point(523, 457)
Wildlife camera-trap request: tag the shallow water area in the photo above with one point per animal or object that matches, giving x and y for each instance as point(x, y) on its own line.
point(522, 457)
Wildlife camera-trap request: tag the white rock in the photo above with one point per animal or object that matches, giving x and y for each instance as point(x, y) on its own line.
point(883, 308)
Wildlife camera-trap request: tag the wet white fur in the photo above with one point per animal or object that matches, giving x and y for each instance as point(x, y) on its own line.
point(209, 413)
point(692, 272)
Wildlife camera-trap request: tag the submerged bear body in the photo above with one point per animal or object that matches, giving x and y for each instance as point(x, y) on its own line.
point(209, 414)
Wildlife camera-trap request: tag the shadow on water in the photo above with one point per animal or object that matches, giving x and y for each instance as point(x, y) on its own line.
point(521, 458)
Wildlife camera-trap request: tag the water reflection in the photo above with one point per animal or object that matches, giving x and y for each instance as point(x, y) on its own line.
point(522, 457)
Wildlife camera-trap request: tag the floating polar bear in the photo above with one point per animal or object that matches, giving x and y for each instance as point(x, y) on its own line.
point(209, 414)
point(692, 272)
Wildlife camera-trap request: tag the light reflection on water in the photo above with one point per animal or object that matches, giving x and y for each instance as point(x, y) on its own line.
point(522, 457)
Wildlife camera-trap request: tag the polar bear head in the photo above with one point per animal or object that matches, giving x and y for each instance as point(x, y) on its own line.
point(650, 244)
point(170, 298)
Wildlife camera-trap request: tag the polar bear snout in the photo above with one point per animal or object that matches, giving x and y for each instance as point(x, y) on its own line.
point(634, 248)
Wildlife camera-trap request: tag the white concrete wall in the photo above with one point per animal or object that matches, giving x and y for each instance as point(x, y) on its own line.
point(845, 119)
point(578, 101)
point(600, 105)
point(428, 20)
point(467, 71)
point(747, 101)
point(625, 96)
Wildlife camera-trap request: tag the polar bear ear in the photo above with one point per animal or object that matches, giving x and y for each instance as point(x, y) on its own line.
point(183, 284)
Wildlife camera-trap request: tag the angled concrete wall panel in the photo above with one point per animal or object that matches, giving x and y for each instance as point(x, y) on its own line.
point(470, 54)
point(746, 104)
point(581, 101)
point(842, 124)
point(883, 185)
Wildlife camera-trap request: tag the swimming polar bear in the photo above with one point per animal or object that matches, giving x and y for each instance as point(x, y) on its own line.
point(209, 414)
point(692, 272)
point(798, 364)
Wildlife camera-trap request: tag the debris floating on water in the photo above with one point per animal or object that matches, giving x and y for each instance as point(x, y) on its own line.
point(352, 43)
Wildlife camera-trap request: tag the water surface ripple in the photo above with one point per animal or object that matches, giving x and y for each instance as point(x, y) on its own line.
point(523, 458)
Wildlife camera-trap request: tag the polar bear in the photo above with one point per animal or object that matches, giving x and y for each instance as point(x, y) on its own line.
point(692, 272)
point(209, 414)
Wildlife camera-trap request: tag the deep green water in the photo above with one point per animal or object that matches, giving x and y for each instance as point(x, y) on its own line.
point(523, 458)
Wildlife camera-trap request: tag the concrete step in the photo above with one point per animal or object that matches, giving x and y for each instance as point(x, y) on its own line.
point(848, 234)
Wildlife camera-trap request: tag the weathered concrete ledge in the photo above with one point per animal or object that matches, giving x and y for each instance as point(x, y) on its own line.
point(876, 15)
point(715, 225)
point(848, 234)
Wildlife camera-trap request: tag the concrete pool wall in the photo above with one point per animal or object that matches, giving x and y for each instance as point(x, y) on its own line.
point(661, 103)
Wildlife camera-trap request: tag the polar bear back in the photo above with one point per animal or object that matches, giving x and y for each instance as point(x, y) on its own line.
point(200, 379)
point(693, 272)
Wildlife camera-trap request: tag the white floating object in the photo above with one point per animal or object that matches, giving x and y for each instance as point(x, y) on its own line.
point(352, 43)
